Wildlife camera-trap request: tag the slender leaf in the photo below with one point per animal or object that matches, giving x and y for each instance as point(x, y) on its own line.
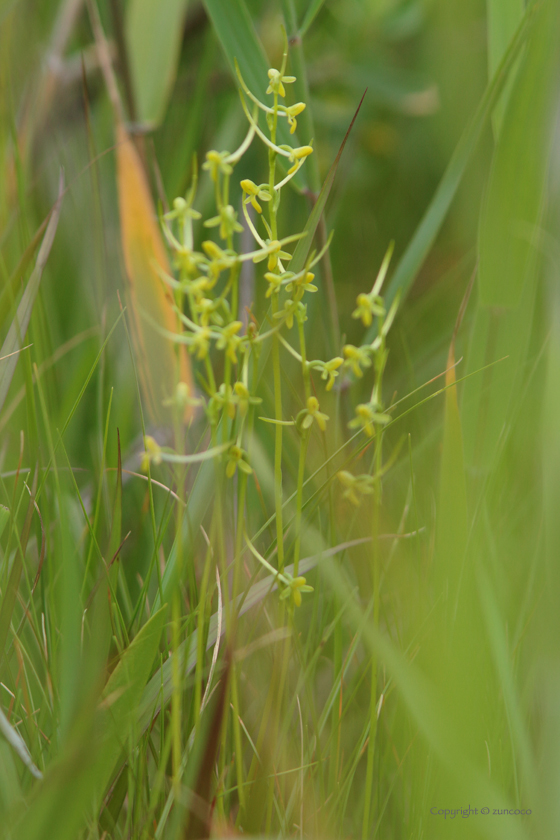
point(503, 19)
point(313, 10)
point(14, 340)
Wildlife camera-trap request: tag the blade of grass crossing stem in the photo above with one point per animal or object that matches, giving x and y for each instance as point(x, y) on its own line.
point(515, 197)
point(16, 334)
point(143, 246)
point(428, 229)
point(236, 33)
point(154, 31)
point(503, 20)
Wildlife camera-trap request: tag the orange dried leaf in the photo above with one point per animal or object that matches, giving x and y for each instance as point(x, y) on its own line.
point(161, 363)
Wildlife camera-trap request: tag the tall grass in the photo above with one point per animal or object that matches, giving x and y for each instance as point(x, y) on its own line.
point(276, 560)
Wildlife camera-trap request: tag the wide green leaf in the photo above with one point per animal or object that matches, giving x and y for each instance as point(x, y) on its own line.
point(154, 31)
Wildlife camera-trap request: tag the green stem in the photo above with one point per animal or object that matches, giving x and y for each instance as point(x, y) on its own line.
point(278, 442)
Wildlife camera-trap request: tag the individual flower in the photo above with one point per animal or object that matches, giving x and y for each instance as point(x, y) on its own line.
point(356, 486)
point(301, 283)
point(296, 155)
point(188, 260)
point(205, 307)
point(244, 398)
point(227, 220)
point(220, 258)
point(182, 210)
point(306, 416)
point(329, 370)
point(229, 340)
point(367, 417)
point(357, 358)
point(287, 314)
point(272, 250)
point(253, 192)
point(152, 453)
point(274, 282)
point(182, 397)
point(294, 588)
point(199, 342)
point(222, 399)
point(367, 307)
point(217, 162)
point(277, 82)
point(293, 111)
point(236, 460)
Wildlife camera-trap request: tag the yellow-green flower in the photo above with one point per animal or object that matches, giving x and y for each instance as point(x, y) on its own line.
point(287, 314)
point(152, 453)
point(253, 193)
point(244, 398)
point(357, 358)
point(294, 588)
point(277, 82)
point(301, 283)
point(216, 162)
point(229, 340)
point(227, 220)
point(299, 154)
point(200, 342)
point(329, 370)
point(367, 417)
point(182, 397)
point(306, 417)
point(367, 307)
point(293, 111)
point(356, 486)
point(236, 460)
point(274, 282)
